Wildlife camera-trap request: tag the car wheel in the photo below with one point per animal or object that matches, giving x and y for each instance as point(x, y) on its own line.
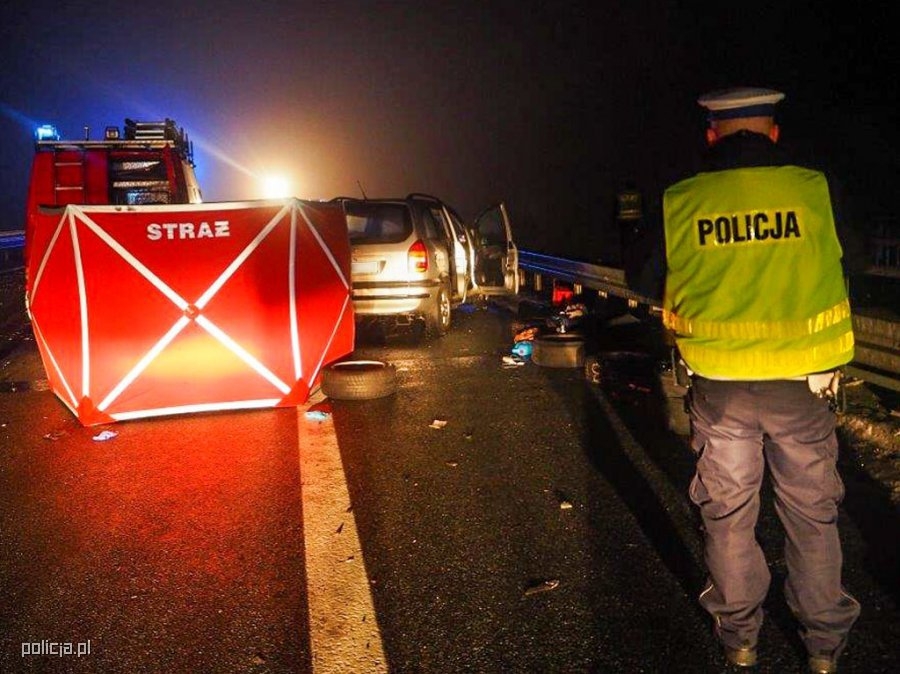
point(359, 380)
point(559, 350)
point(437, 320)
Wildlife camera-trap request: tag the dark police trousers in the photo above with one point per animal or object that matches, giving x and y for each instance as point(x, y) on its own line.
point(737, 429)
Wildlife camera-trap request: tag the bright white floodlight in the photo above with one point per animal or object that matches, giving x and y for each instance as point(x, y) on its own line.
point(276, 187)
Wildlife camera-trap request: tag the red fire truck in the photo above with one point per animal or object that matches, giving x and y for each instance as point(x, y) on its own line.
point(143, 163)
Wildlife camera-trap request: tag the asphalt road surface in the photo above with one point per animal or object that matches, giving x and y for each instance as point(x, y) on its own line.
point(543, 528)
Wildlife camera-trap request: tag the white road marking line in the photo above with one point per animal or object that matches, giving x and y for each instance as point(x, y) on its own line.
point(344, 634)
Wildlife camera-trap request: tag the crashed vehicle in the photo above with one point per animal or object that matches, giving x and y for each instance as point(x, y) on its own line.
point(414, 260)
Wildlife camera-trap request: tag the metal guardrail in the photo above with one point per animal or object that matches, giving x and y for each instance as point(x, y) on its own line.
point(877, 338)
point(605, 280)
point(11, 245)
point(12, 239)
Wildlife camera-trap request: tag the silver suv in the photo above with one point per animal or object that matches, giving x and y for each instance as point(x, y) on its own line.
point(413, 259)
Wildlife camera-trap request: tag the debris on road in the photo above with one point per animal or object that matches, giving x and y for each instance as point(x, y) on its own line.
point(523, 349)
point(320, 411)
point(102, 436)
point(592, 369)
point(576, 310)
point(526, 335)
point(437, 423)
point(624, 375)
point(512, 361)
point(541, 586)
point(567, 318)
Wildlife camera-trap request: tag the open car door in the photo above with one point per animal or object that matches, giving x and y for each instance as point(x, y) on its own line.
point(496, 256)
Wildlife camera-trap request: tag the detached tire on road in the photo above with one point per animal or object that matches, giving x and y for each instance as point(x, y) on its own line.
point(359, 380)
point(559, 350)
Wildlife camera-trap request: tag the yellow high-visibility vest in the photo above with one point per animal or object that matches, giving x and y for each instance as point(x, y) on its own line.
point(755, 288)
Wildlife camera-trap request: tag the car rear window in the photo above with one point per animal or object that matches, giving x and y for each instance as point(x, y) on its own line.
point(377, 223)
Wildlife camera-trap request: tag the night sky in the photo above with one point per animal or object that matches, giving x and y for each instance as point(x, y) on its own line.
point(551, 107)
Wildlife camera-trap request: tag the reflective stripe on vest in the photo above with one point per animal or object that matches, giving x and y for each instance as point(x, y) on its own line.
point(719, 360)
point(754, 288)
point(758, 329)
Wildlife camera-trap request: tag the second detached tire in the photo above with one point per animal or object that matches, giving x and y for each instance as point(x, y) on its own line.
point(359, 380)
point(559, 350)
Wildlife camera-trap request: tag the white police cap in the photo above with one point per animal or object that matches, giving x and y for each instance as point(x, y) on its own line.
point(740, 102)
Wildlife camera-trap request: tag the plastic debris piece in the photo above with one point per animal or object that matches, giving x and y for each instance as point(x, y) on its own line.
point(437, 423)
point(592, 369)
point(541, 586)
point(105, 435)
point(565, 505)
point(575, 310)
point(317, 415)
point(512, 361)
point(526, 335)
point(523, 349)
point(452, 464)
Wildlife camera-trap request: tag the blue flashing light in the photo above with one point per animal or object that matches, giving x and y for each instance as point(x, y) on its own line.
point(46, 132)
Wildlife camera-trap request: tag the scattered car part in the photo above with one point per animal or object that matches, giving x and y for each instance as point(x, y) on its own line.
point(512, 361)
point(523, 349)
point(359, 380)
point(592, 369)
point(559, 350)
point(540, 586)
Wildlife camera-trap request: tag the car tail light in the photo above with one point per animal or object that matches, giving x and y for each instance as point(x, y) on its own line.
point(417, 257)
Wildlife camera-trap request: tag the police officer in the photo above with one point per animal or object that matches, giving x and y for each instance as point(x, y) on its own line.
point(756, 300)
